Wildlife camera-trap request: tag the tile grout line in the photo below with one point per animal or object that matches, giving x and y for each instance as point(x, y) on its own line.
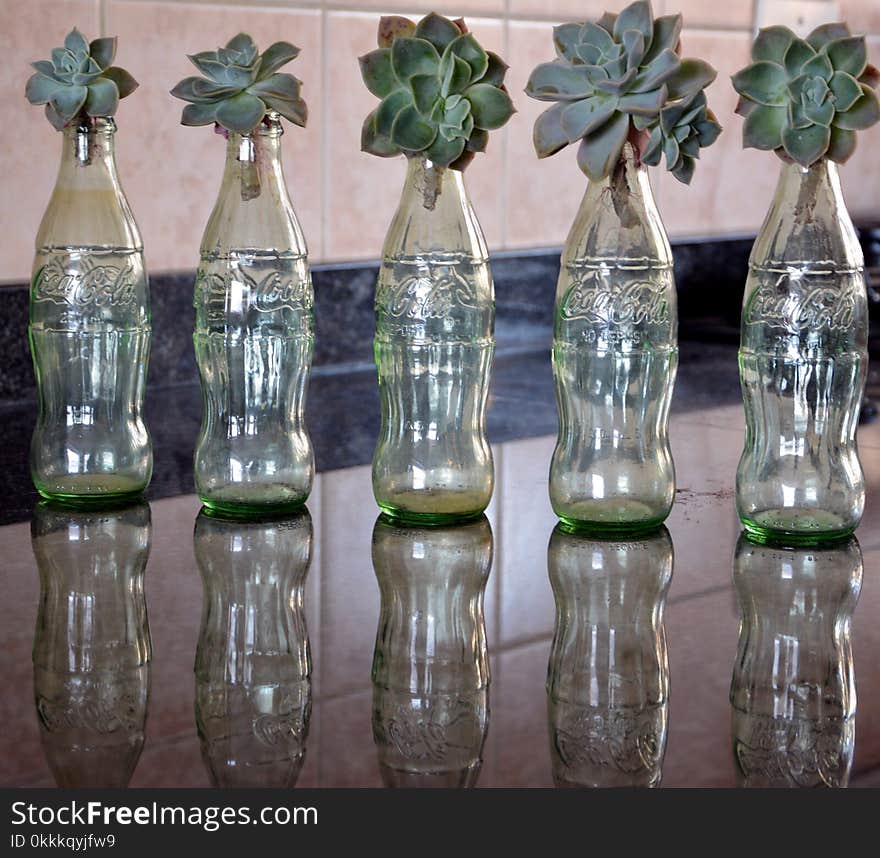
point(325, 140)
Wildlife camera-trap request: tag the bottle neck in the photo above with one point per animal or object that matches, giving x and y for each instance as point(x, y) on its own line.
point(253, 163)
point(88, 155)
point(435, 214)
point(618, 218)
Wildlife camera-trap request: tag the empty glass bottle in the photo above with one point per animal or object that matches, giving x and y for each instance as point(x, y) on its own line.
point(803, 360)
point(615, 354)
point(608, 677)
point(430, 664)
point(90, 330)
point(793, 692)
point(253, 664)
point(254, 335)
point(92, 642)
point(435, 323)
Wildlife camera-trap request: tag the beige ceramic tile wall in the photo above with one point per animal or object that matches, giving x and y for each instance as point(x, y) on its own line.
point(345, 198)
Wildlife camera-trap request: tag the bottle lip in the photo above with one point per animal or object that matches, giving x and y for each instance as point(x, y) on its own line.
point(91, 125)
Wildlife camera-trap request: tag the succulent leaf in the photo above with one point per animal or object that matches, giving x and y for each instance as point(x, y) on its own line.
point(619, 75)
point(241, 85)
point(79, 82)
point(440, 91)
point(805, 98)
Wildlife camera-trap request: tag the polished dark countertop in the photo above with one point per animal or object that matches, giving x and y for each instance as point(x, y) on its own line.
point(341, 608)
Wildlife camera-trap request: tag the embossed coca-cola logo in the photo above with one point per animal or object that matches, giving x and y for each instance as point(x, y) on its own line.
point(271, 292)
point(596, 300)
point(800, 309)
point(96, 715)
point(427, 297)
point(84, 283)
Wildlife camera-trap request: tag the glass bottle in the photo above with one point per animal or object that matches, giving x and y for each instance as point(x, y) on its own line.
point(435, 338)
point(430, 664)
point(608, 677)
point(253, 337)
point(253, 664)
point(793, 694)
point(92, 649)
point(803, 361)
point(90, 330)
point(615, 355)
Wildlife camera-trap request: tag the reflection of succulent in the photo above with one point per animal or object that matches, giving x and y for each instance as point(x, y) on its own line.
point(80, 81)
point(806, 98)
point(241, 86)
point(616, 76)
point(441, 92)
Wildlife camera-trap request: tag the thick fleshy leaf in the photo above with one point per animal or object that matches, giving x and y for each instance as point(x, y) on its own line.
point(478, 140)
point(607, 21)
point(684, 169)
point(548, 135)
point(598, 38)
point(806, 145)
point(392, 27)
point(843, 144)
point(387, 111)
point(411, 131)
point(863, 114)
point(491, 107)
point(437, 30)
point(708, 130)
point(374, 143)
point(644, 103)
point(796, 55)
point(125, 83)
point(103, 98)
point(295, 110)
point(691, 76)
point(241, 113)
point(820, 114)
point(667, 33)
point(664, 67)
point(244, 45)
point(600, 151)
point(44, 67)
point(426, 90)
point(818, 66)
point(653, 149)
point(619, 84)
point(102, 51)
point(849, 54)
point(55, 118)
point(468, 48)
point(763, 127)
point(565, 40)
point(275, 56)
point(556, 81)
point(634, 46)
point(846, 90)
point(187, 90)
point(581, 117)
point(69, 100)
point(455, 74)
point(40, 89)
point(870, 76)
point(279, 85)
point(771, 44)
point(637, 16)
point(377, 73)
point(671, 151)
point(413, 56)
point(762, 82)
point(198, 114)
point(76, 43)
point(495, 71)
point(797, 116)
point(443, 152)
point(826, 33)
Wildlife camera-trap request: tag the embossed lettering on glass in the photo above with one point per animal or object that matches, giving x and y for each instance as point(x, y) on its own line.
point(253, 664)
point(430, 664)
point(615, 354)
point(803, 361)
point(90, 330)
point(254, 336)
point(435, 322)
point(793, 694)
point(608, 677)
point(92, 650)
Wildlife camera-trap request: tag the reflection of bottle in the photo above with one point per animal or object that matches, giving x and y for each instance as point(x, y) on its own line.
point(430, 665)
point(793, 690)
point(608, 678)
point(253, 665)
point(92, 642)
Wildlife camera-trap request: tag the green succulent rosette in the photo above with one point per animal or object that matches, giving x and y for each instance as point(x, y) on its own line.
point(441, 92)
point(622, 78)
point(805, 99)
point(79, 82)
point(240, 86)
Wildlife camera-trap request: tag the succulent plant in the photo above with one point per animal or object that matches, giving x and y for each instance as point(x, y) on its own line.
point(241, 85)
point(614, 78)
point(806, 98)
point(80, 81)
point(441, 92)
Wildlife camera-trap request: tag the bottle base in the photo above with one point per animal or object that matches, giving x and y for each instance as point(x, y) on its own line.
point(229, 509)
point(427, 519)
point(607, 529)
point(610, 517)
point(92, 490)
point(796, 527)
